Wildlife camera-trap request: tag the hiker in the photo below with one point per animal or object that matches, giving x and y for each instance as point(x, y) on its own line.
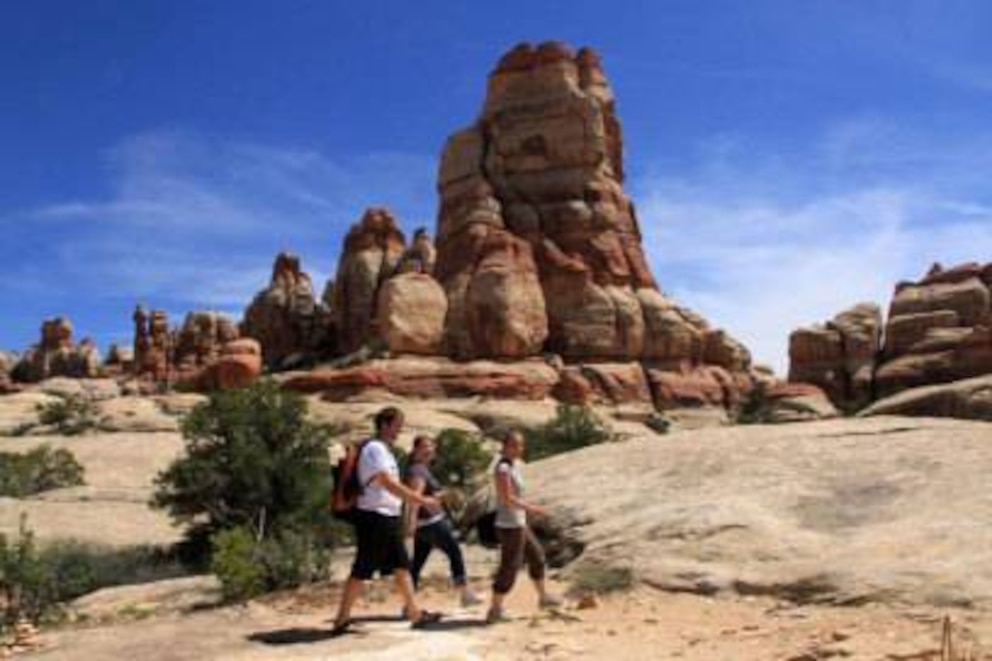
point(517, 541)
point(378, 523)
point(432, 527)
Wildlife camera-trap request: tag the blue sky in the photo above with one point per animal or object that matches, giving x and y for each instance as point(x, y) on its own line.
point(788, 158)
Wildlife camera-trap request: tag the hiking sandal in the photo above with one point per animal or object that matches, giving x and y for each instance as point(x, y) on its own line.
point(426, 619)
point(342, 628)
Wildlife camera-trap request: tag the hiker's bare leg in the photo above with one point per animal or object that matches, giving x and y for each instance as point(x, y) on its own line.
point(352, 591)
point(404, 585)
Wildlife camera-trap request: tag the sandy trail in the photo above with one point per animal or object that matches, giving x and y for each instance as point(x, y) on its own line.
point(641, 624)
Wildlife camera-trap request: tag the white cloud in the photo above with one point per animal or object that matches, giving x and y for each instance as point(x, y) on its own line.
point(194, 221)
point(762, 246)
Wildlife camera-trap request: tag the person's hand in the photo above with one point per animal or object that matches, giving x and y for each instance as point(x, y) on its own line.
point(431, 503)
point(537, 510)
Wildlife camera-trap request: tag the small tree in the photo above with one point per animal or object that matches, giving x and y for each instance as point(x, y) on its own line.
point(252, 461)
point(572, 428)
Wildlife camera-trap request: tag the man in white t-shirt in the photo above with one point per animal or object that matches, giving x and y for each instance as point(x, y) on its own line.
point(378, 524)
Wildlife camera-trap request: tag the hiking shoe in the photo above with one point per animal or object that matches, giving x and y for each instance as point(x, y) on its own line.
point(470, 598)
point(551, 601)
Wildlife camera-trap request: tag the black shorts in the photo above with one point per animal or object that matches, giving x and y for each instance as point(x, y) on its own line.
point(380, 545)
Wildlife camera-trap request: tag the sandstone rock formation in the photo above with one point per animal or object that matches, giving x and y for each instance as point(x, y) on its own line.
point(201, 339)
point(57, 355)
point(539, 248)
point(420, 256)
point(153, 344)
point(411, 309)
point(939, 330)
point(7, 362)
point(535, 231)
point(969, 399)
point(372, 252)
point(428, 378)
point(839, 356)
point(286, 318)
point(119, 361)
point(238, 364)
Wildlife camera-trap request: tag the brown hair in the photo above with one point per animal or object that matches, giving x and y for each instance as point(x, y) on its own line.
point(386, 417)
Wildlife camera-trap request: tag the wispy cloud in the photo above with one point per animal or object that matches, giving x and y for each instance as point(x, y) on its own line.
point(193, 221)
point(762, 245)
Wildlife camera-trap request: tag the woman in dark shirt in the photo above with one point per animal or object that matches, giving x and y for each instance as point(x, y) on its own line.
point(431, 527)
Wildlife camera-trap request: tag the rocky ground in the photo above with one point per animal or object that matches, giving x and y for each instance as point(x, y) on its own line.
point(846, 538)
point(641, 624)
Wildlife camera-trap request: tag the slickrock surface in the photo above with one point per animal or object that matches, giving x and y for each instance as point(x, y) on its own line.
point(842, 511)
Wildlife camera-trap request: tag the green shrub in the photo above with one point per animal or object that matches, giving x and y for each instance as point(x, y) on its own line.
point(27, 589)
point(461, 458)
point(572, 428)
point(70, 415)
point(236, 563)
point(78, 568)
point(254, 462)
point(35, 582)
point(39, 469)
point(755, 409)
point(247, 566)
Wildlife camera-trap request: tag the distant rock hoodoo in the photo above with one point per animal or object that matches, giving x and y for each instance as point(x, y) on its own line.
point(939, 330)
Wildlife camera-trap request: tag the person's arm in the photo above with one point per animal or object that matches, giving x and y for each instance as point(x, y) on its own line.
point(504, 491)
point(400, 490)
point(416, 484)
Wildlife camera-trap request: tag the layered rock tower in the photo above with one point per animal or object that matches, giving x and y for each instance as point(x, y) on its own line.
point(539, 247)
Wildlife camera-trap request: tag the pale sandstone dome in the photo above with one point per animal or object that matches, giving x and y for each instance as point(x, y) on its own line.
point(843, 512)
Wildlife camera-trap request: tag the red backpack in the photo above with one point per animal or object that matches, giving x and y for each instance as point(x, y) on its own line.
point(347, 486)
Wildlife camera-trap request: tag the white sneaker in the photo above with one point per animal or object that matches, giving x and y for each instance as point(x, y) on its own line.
point(550, 601)
point(470, 598)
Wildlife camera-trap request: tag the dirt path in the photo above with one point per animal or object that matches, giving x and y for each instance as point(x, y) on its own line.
point(642, 624)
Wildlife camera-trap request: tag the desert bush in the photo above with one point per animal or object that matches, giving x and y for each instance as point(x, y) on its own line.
point(36, 581)
point(71, 415)
point(235, 562)
point(253, 461)
point(39, 469)
point(247, 566)
point(572, 428)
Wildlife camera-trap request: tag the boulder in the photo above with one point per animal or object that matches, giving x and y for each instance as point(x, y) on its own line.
point(967, 398)
point(411, 312)
point(796, 402)
point(603, 383)
point(239, 364)
point(286, 318)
